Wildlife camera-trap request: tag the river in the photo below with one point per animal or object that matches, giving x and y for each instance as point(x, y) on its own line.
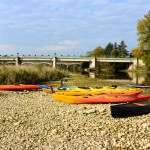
point(127, 77)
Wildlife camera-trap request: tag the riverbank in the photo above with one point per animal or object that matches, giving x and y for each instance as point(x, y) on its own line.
point(32, 120)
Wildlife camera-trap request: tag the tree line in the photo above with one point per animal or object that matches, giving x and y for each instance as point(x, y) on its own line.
point(111, 50)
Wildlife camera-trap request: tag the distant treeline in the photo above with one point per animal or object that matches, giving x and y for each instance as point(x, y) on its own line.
point(111, 50)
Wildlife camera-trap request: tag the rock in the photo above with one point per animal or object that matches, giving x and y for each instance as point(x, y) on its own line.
point(16, 123)
point(90, 111)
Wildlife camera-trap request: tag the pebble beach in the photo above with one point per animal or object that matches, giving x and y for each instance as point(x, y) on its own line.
point(32, 120)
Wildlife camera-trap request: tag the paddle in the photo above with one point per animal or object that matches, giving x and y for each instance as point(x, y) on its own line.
point(52, 89)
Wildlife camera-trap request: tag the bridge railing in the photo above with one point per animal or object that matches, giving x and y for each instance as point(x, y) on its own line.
point(55, 60)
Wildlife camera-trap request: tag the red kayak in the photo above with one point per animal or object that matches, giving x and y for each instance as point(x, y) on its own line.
point(18, 87)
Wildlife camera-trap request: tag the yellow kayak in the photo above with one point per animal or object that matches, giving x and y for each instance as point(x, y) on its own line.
point(79, 91)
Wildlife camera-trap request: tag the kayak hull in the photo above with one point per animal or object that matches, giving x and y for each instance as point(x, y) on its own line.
point(108, 93)
point(139, 85)
point(48, 86)
point(130, 109)
point(19, 87)
point(98, 99)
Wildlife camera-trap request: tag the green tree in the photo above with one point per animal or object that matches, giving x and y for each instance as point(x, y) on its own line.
point(115, 46)
point(143, 32)
point(108, 49)
point(136, 52)
point(146, 58)
point(98, 52)
point(122, 51)
point(114, 52)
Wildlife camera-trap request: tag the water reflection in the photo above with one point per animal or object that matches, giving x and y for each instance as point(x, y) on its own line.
point(129, 77)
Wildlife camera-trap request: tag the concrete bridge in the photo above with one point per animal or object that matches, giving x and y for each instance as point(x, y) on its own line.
point(133, 62)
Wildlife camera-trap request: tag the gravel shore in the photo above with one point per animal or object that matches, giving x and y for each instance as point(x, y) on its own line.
point(34, 121)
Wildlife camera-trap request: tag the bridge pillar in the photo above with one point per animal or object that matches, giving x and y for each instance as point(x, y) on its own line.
point(93, 63)
point(92, 74)
point(136, 64)
point(55, 62)
point(131, 66)
point(18, 61)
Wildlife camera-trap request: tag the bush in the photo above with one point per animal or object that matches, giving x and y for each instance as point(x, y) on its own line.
point(33, 74)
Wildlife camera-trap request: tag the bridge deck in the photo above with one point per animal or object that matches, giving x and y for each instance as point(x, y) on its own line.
point(69, 60)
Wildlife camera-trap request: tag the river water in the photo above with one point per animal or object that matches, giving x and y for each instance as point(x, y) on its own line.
point(127, 77)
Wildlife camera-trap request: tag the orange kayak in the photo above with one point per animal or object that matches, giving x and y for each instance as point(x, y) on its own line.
point(18, 87)
point(98, 98)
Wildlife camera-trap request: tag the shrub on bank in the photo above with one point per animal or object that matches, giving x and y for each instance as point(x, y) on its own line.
point(32, 74)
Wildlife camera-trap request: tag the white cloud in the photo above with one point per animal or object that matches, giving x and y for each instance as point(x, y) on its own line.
point(69, 43)
point(6, 47)
point(63, 45)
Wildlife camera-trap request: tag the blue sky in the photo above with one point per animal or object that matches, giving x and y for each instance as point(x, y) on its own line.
point(67, 27)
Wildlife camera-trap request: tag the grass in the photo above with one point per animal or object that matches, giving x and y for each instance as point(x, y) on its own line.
point(32, 74)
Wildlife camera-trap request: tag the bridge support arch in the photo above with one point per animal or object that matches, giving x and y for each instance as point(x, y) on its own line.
point(136, 64)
